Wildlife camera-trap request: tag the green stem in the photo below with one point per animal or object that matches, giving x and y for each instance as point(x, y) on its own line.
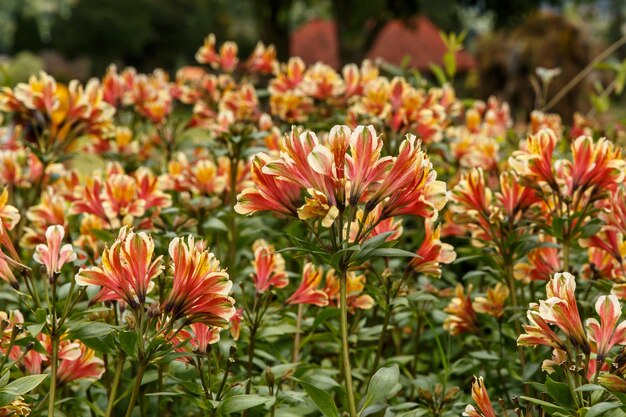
point(133, 398)
point(232, 226)
point(53, 375)
point(251, 347)
point(199, 367)
point(296, 342)
point(116, 382)
point(347, 371)
point(565, 256)
point(518, 328)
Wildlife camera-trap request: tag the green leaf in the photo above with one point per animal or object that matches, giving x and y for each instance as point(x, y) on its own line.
point(89, 330)
point(557, 227)
point(128, 342)
point(215, 224)
point(4, 380)
point(105, 344)
point(25, 384)
point(601, 408)
point(393, 252)
point(325, 315)
point(485, 355)
point(449, 61)
point(376, 241)
point(439, 73)
point(590, 387)
point(551, 408)
point(559, 392)
point(322, 399)
point(35, 329)
point(20, 387)
point(381, 386)
point(241, 402)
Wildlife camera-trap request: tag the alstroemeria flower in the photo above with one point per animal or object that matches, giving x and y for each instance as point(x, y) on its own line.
point(364, 164)
point(538, 332)
point(127, 270)
point(543, 262)
point(52, 255)
point(494, 303)
point(344, 170)
point(270, 193)
point(471, 196)
point(534, 163)
point(355, 284)
point(609, 240)
point(86, 366)
point(322, 82)
point(263, 59)
point(390, 225)
point(561, 309)
point(612, 382)
point(13, 318)
point(288, 76)
point(558, 358)
point(269, 267)
point(410, 186)
point(6, 274)
point(203, 336)
point(201, 286)
point(606, 333)
point(596, 164)
point(461, 315)
point(9, 215)
point(481, 398)
point(514, 197)
point(432, 252)
point(308, 292)
point(235, 324)
point(51, 210)
point(6, 245)
point(601, 265)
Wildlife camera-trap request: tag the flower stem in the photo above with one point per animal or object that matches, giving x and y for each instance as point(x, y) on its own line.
point(251, 347)
point(53, 375)
point(133, 398)
point(116, 382)
point(232, 224)
point(347, 371)
point(296, 342)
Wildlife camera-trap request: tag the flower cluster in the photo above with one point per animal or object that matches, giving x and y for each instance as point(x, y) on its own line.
point(345, 170)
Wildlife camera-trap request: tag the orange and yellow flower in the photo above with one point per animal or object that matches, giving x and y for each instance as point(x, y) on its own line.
point(52, 255)
point(461, 315)
point(201, 287)
point(269, 267)
point(308, 292)
point(127, 269)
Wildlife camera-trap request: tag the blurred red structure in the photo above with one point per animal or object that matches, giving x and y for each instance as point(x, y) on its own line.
point(316, 41)
point(419, 39)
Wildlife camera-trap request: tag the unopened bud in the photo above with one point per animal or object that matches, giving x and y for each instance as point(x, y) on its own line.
point(269, 377)
point(154, 310)
point(131, 321)
point(287, 375)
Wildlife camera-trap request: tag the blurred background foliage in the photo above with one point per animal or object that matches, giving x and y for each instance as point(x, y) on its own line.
point(508, 39)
